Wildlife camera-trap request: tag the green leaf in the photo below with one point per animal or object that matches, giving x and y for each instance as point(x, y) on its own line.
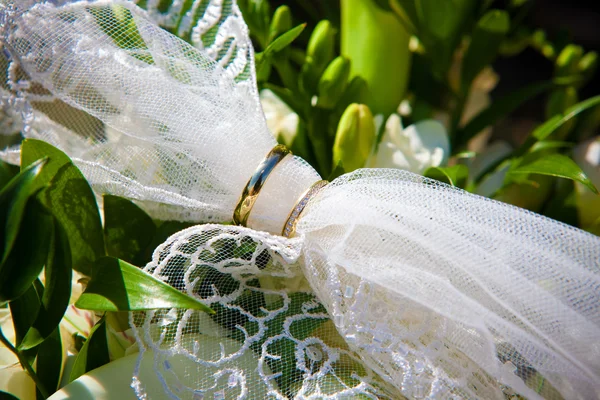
point(7, 172)
point(284, 40)
point(546, 129)
point(49, 362)
point(13, 200)
point(485, 42)
point(265, 58)
point(28, 255)
point(58, 274)
point(456, 175)
point(71, 200)
point(119, 286)
point(549, 145)
point(553, 165)
point(24, 310)
point(128, 230)
point(94, 352)
point(281, 22)
point(502, 107)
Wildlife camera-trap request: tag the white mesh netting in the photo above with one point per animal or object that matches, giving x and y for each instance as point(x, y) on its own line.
point(395, 285)
point(440, 290)
point(144, 114)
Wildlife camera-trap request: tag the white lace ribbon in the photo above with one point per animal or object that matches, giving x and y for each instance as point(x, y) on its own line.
point(395, 284)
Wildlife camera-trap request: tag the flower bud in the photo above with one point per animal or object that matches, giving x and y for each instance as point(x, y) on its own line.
point(354, 137)
point(281, 22)
point(319, 53)
point(321, 44)
point(333, 82)
point(588, 64)
point(568, 59)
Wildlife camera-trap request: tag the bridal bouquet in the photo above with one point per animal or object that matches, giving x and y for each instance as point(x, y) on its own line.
point(201, 201)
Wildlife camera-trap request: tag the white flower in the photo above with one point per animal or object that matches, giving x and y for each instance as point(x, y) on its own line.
point(414, 148)
point(281, 120)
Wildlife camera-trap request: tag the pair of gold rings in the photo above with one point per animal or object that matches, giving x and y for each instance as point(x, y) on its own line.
point(257, 181)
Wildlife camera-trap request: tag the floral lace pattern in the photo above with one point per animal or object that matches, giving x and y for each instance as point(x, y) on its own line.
point(269, 336)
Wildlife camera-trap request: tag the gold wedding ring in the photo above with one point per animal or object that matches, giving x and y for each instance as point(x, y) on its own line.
point(256, 182)
point(290, 225)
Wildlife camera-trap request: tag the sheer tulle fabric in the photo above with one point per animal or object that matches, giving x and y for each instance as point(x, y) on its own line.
point(394, 286)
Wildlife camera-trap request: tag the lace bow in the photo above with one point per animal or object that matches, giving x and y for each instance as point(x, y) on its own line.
point(393, 285)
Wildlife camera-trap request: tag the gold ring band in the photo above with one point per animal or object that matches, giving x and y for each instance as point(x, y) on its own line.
point(256, 182)
point(290, 225)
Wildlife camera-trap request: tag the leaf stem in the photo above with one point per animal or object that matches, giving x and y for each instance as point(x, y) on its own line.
point(40, 385)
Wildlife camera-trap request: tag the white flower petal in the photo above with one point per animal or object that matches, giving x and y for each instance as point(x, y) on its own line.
point(281, 120)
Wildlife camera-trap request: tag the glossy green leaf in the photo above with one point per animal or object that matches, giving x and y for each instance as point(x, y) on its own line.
point(13, 200)
point(29, 251)
point(71, 200)
point(119, 286)
point(553, 165)
point(58, 274)
point(94, 352)
point(456, 175)
point(485, 42)
point(7, 172)
point(128, 230)
point(48, 364)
